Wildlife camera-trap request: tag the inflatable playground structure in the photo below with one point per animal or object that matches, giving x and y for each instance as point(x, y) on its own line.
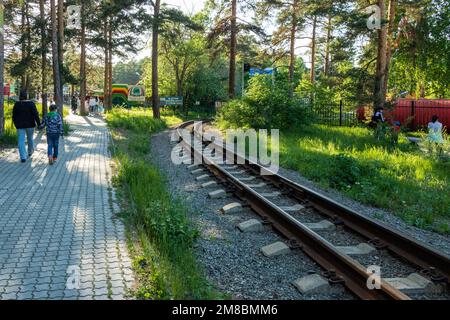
point(130, 96)
point(125, 95)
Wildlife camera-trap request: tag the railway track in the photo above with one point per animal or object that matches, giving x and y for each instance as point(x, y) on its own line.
point(338, 262)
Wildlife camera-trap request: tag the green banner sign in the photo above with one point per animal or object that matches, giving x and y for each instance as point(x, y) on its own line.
point(171, 101)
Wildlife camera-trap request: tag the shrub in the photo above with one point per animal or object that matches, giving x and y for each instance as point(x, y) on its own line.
point(265, 105)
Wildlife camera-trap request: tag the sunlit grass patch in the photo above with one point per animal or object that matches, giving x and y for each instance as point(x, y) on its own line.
point(164, 260)
point(403, 180)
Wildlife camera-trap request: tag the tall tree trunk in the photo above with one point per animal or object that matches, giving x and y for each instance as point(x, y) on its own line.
point(155, 34)
point(379, 94)
point(326, 69)
point(313, 52)
point(56, 67)
point(83, 110)
point(422, 91)
point(292, 47)
point(106, 79)
point(110, 74)
point(23, 83)
point(233, 47)
point(390, 42)
point(2, 59)
point(44, 57)
point(178, 78)
point(61, 41)
point(28, 47)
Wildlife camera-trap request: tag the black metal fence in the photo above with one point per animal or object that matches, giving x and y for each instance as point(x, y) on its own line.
point(331, 114)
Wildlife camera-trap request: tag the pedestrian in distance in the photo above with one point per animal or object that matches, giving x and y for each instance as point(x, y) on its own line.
point(54, 128)
point(97, 101)
point(101, 108)
point(92, 104)
point(25, 118)
point(87, 105)
point(435, 130)
point(74, 104)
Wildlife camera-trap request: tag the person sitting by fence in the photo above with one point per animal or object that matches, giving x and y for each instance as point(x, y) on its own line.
point(377, 118)
point(435, 131)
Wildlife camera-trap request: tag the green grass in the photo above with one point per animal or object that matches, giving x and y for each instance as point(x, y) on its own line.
point(403, 179)
point(9, 137)
point(192, 115)
point(164, 258)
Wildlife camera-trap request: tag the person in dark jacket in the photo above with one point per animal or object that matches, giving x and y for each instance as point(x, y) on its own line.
point(25, 118)
point(54, 128)
point(74, 104)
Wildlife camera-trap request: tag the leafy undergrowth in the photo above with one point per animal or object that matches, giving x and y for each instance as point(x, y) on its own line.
point(164, 258)
point(404, 179)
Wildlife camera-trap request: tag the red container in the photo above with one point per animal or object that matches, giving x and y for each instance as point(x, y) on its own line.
point(418, 113)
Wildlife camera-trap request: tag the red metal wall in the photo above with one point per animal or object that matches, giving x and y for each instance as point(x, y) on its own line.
point(423, 110)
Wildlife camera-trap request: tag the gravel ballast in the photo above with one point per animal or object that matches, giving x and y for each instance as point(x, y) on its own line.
point(440, 242)
point(232, 260)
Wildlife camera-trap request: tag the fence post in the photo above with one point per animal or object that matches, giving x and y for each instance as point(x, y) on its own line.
point(340, 113)
point(413, 114)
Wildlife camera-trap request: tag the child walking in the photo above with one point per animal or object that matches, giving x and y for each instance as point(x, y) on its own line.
point(54, 127)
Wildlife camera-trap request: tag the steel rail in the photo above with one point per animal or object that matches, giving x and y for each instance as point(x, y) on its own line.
point(380, 234)
point(352, 273)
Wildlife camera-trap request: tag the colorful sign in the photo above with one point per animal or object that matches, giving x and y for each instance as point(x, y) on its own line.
point(136, 94)
point(255, 71)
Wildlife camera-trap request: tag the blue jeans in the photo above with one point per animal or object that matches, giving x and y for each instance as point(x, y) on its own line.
point(53, 144)
point(21, 133)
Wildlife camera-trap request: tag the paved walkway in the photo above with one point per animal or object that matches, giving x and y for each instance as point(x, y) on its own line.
point(58, 235)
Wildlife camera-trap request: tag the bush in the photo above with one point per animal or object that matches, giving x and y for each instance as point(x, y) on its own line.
point(154, 207)
point(265, 106)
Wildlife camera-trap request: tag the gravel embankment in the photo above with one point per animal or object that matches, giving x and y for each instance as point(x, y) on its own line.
point(438, 241)
point(232, 260)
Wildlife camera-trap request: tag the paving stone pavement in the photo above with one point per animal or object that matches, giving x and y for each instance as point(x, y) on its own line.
point(59, 238)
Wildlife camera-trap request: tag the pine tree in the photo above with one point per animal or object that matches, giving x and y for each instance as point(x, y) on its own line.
point(44, 44)
point(55, 58)
point(2, 63)
point(225, 32)
point(379, 93)
point(83, 109)
point(155, 56)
